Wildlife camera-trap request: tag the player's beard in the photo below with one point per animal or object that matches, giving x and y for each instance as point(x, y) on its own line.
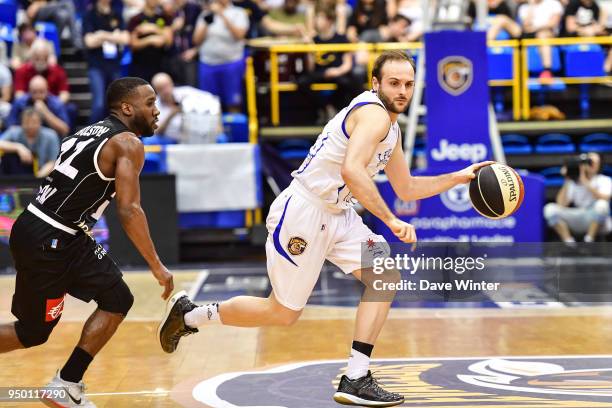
point(389, 104)
point(145, 128)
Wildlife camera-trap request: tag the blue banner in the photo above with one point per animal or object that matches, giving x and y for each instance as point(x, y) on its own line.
point(457, 96)
point(449, 217)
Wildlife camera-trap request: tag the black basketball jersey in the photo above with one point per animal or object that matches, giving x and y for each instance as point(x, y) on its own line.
point(76, 192)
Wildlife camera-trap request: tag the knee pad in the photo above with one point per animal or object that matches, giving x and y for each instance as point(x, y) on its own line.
point(117, 299)
point(31, 335)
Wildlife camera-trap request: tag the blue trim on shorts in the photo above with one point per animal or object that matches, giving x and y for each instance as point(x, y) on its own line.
point(276, 235)
point(352, 109)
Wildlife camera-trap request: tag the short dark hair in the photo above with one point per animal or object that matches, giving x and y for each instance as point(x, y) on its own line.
point(400, 17)
point(122, 88)
point(28, 112)
point(328, 12)
point(391, 55)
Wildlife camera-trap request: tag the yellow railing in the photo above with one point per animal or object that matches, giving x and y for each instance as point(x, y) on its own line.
point(520, 72)
point(525, 80)
point(252, 216)
point(276, 87)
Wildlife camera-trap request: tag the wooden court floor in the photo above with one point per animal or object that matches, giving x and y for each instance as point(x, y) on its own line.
point(132, 371)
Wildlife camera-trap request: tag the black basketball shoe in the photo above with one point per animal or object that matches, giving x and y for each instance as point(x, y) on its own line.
point(172, 326)
point(365, 391)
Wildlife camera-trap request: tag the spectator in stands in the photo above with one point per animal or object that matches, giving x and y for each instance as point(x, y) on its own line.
point(334, 67)
point(20, 52)
point(260, 21)
point(29, 141)
point(540, 19)
point(500, 18)
point(220, 34)
point(61, 13)
point(366, 20)
point(3, 53)
point(170, 101)
point(590, 196)
point(395, 31)
point(583, 18)
point(151, 36)
point(290, 15)
point(50, 107)
point(183, 62)
point(104, 39)
point(413, 11)
point(343, 11)
point(40, 64)
point(6, 88)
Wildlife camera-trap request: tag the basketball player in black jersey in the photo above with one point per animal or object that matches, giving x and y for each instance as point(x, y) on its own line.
point(51, 245)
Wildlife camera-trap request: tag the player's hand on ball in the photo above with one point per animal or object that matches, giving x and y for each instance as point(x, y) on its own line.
point(165, 279)
point(466, 175)
point(404, 231)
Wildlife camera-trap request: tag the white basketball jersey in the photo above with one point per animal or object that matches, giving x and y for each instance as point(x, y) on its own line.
point(320, 171)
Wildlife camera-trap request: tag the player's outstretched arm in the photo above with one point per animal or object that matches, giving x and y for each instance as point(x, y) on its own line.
point(408, 187)
point(367, 126)
point(129, 159)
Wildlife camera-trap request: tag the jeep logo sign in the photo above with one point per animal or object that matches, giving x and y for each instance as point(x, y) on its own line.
point(452, 152)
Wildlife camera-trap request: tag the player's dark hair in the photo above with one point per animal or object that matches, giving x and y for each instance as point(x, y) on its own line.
point(121, 89)
point(392, 55)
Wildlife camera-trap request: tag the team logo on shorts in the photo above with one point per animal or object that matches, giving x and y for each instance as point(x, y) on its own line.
point(296, 246)
point(455, 74)
point(54, 309)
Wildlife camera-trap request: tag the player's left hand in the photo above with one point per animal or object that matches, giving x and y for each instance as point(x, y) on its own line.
point(469, 173)
point(165, 279)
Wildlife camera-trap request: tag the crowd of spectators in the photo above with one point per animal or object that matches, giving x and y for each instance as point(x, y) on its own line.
point(200, 45)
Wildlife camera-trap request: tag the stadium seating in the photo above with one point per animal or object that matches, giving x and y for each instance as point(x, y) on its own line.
point(552, 176)
point(236, 127)
point(516, 144)
point(155, 156)
point(294, 149)
point(48, 31)
point(583, 60)
point(8, 12)
point(596, 142)
point(554, 143)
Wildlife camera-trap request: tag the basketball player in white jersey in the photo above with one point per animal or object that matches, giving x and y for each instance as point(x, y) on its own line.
point(313, 220)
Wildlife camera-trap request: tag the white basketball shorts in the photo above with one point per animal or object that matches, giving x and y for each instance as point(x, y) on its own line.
point(302, 233)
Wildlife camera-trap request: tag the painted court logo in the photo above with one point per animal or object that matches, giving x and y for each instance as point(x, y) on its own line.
point(455, 74)
point(563, 381)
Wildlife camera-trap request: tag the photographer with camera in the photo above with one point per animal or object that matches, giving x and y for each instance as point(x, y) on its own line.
point(589, 192)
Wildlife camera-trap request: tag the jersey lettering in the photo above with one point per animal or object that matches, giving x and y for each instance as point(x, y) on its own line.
point(63, 163)
point(44, 193)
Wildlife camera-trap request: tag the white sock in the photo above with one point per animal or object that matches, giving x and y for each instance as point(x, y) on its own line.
point(588, 238)
point(358, 365)
point(202, 315)
point(569, 240)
